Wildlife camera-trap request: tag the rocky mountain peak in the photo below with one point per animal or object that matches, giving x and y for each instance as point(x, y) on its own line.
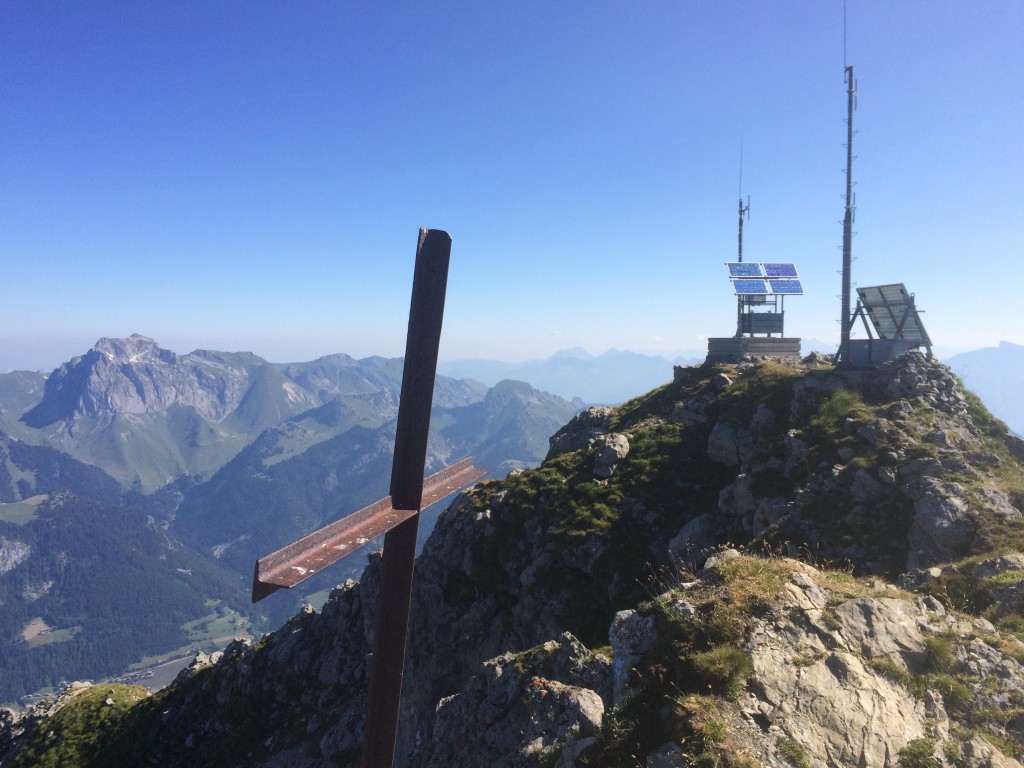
point(135, 349)
point(136, 376)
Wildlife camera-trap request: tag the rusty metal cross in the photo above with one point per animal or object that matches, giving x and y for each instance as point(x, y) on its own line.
point(397, 515)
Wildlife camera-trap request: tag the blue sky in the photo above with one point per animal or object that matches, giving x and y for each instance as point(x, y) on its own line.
point(252, 176)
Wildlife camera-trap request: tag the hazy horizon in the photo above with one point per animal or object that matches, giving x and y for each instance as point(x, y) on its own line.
point(48, 364)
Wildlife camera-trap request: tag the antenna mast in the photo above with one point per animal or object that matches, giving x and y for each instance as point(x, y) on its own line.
point(743, 210)
point(845, 319)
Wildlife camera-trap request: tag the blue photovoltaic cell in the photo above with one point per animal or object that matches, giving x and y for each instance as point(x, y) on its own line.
point(780, 270)
point(750, 287)
point(786, 286)
point(744, 269)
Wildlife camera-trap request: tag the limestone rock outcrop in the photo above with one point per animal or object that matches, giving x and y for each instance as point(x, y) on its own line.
point(135, 375)
point(611, 449)
point(584, 427)
point(518, 710)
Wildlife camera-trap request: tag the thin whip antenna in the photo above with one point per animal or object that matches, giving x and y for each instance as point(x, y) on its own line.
point(844, 35)
point(741, 169)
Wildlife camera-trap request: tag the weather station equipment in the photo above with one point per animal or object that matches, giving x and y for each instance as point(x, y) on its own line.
point(760, 289)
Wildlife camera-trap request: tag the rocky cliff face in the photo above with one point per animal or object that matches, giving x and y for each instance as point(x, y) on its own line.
point(589, 612)
point(134, 375)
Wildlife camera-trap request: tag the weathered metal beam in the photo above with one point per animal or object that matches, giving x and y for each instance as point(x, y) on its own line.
point(423, 339)
point(293, 564)
point(397, 516)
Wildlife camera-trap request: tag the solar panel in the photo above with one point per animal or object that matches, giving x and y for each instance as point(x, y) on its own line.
point(750, 287)
point(894, 294)
point(893, 313)
point(780, 270)
point(745, 269)
point(787, 287)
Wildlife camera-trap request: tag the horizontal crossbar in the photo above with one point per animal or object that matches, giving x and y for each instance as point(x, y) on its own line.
point(309, 555)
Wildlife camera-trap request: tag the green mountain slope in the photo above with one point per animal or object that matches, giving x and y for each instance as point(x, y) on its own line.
point(19, 391)
point(507, 430)
point(88, 583)
point(32, 470)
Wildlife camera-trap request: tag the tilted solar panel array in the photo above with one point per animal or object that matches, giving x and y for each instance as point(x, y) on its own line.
point(753, 278)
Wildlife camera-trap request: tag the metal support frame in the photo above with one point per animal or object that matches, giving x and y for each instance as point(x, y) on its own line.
point(899, 316)
point(859, 312)
point(775, 305)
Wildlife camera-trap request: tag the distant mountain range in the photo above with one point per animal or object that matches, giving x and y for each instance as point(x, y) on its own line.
point(147, 416)
point(138, 486)
point(996, 374)
point(609, 378)
point(612, 377)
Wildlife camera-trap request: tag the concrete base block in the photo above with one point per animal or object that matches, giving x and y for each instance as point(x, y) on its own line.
point(734, 350)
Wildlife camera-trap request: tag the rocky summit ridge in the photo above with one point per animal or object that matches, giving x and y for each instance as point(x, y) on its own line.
point(759, 564)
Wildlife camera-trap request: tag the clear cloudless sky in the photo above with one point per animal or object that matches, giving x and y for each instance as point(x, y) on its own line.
point(252, 175)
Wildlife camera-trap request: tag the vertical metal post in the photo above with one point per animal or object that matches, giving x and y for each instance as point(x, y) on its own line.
point(390, 634)
point(746, 210)
point(846, 320)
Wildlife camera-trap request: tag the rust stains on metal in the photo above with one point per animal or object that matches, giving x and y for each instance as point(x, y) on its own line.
point(293, 564)
point(449, 480)
point(426, 311)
